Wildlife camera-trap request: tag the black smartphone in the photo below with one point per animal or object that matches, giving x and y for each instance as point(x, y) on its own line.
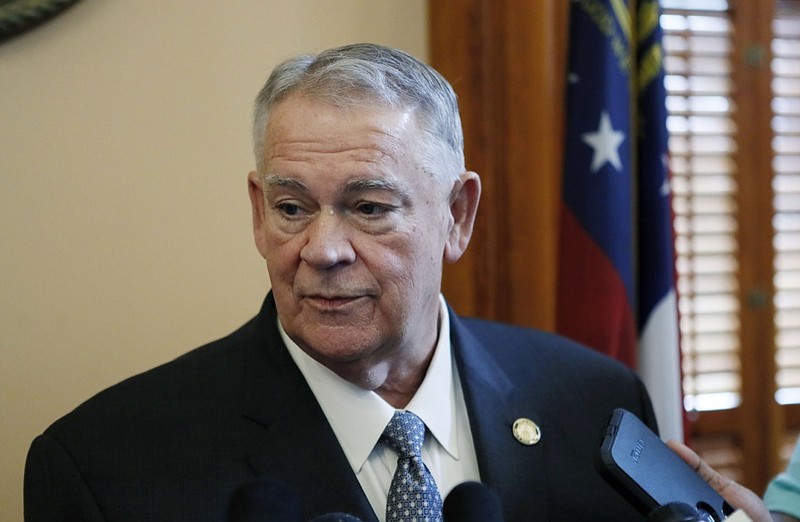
point(648, 474)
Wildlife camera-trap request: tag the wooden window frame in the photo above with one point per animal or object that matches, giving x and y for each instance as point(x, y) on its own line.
point(506, 60)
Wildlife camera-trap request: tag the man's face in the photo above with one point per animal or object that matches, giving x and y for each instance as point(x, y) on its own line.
point(354, 232)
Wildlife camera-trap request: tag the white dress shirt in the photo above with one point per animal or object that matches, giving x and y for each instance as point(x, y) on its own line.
point(358, 418)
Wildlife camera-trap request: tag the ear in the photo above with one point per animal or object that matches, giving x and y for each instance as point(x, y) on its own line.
point(256, 191)
point(463, 207)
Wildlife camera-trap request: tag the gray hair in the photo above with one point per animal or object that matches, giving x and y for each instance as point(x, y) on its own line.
point(367, 74)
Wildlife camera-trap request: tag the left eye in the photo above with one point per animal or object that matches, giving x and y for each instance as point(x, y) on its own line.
point(371, 209)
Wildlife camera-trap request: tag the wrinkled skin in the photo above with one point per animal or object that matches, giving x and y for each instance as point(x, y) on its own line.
point(355, 233)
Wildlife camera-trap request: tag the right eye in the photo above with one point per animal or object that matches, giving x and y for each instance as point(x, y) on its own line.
point(289, 209)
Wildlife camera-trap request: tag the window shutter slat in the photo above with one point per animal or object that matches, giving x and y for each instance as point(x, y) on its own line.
point(785, 68)
point(698, 65)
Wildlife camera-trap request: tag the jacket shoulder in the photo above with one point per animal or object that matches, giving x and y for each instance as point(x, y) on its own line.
point(539, 346)
point(185, 387)
point(538, 362)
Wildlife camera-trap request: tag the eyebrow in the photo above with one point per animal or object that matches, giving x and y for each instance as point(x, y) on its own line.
point(274, 180)
point(353, 186)
point(359, 185)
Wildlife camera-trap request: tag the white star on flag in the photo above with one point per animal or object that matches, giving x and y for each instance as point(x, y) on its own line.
point(605, 141)
point(665, 188)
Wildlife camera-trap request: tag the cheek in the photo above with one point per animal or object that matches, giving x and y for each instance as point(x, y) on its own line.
point(429, 241)
point(407, 264)
point(282, 256)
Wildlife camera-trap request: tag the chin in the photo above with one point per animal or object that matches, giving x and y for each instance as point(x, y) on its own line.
point(339, 345)
point(338, 354)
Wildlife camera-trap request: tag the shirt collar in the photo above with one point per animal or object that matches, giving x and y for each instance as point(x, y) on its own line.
point(435, 400)
point(358, 416)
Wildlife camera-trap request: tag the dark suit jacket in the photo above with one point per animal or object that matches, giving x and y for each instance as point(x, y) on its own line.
point(173, 443)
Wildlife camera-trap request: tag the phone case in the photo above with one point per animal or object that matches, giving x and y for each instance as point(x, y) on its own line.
point(648, 474)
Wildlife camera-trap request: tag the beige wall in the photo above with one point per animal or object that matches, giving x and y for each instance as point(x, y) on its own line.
point(124, 221)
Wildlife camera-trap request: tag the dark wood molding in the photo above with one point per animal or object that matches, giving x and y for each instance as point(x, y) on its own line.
point(506, 59)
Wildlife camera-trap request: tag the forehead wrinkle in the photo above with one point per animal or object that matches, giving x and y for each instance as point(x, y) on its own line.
point(301, 151)
point(382, 140)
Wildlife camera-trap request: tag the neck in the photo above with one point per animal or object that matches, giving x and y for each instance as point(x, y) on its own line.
point(399, 392)
point(395, 381)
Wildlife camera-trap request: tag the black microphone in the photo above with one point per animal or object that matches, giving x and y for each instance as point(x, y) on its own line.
point(264, 499)
point(472, 502)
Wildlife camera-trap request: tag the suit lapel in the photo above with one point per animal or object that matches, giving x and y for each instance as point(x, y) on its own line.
point(285, 434)
point(516, 472)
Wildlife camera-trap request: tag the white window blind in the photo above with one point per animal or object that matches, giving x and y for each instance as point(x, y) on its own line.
point(786, 186)
point(698, 47)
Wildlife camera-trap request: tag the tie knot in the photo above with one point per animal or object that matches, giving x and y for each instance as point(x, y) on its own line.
point(405, 433)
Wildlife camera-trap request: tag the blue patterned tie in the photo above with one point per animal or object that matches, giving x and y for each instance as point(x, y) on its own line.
point(413, 495)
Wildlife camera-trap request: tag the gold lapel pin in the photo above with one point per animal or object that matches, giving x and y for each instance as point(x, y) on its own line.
point(526, 431)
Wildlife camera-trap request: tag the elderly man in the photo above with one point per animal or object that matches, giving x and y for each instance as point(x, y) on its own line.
point(356, 387)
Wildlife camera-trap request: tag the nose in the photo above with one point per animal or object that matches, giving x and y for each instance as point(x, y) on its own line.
point(328, 242)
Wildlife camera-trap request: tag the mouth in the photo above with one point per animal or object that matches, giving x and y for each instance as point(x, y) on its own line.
point(333, 303)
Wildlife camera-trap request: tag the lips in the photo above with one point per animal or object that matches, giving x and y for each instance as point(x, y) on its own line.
point(332, 303)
